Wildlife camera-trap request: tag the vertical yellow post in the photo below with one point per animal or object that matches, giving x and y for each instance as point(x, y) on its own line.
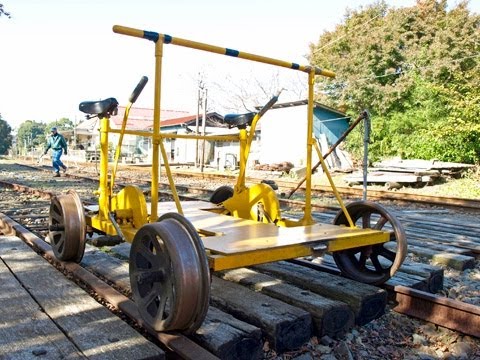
point(307, 217)
point(103, 185)
point(243, 158)
point(156, 130)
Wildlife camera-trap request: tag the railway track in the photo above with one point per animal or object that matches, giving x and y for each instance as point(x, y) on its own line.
point(322, 190)
point(405, 295)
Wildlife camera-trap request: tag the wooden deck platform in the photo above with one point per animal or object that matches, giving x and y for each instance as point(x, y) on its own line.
point(45, 315)
point(228, 235)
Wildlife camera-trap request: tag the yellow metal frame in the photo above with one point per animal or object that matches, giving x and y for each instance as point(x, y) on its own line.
point(246, 239)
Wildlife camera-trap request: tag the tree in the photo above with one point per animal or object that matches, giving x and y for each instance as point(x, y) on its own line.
point(62, 124)
point(31, 134)
point(4, 12)
point(416, 69)
point(5, 136)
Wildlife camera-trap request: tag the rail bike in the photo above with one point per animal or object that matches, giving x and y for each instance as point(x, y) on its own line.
point(176, 246)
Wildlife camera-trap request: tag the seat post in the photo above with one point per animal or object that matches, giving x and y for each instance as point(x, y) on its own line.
point(243, 159)
point(103, 202)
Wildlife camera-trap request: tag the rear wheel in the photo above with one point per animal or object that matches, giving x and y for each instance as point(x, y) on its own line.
point(373, 264)
point(221, 194)
point(67, 227)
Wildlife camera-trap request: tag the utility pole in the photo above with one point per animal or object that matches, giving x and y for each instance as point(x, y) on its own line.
point(196, 127)
point(204, 125)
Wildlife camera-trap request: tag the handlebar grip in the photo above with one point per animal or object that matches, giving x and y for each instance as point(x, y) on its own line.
point(128, 31)
point(138, 89)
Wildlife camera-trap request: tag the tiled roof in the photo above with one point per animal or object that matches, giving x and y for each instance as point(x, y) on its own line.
point(142, 118)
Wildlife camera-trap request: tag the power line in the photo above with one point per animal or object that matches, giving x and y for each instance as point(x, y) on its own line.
point(341, 37)
point(402, 71)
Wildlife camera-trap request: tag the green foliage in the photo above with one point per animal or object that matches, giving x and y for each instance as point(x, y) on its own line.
point(31, 134)
point(417, 71)
point(62, 124)
point(5, 136)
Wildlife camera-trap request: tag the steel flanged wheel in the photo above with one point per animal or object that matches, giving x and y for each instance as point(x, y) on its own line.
point(221, 194)
point(373, 264)
point(169, 275)
point(67, 227)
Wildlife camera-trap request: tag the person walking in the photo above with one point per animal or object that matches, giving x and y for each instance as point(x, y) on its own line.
point(58, 144)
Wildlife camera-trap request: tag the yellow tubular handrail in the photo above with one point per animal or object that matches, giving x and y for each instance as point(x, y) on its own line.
point(167, 39)
point(332, 185)
point(159, 40)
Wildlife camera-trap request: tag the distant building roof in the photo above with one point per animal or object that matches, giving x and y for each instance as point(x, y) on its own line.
point(142, 118)
point(305, 102)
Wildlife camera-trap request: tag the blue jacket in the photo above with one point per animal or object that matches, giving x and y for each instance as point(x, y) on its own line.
point(56, 142)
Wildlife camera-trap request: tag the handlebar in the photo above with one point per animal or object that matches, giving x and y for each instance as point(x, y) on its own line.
point(167, 39)
point(138, 89)
point(269, 104)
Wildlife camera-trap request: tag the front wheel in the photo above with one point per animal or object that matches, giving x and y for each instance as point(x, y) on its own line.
point(169, 275)
point(373, 264)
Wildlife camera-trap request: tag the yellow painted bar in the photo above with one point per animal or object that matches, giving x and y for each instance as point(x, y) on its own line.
point(201, 137)
point(107, 227)
point(153, 36)
point(119, 147)
point(307, 216)
point(101, 224)
point(221, 262)
point(156, 131)
point(334, 189)
point(373, 238)
point(243, 160)
point(103, 192)
point(158, 141)
point(176, 136)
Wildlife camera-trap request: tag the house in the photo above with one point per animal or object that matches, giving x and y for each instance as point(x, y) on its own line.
point(284, 132)
point(280, 135)
point(137, 148)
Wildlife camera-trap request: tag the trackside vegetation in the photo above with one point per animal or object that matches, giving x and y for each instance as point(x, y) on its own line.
point(416, 70)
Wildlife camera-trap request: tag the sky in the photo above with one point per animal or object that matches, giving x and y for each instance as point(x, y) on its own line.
point(55, 54)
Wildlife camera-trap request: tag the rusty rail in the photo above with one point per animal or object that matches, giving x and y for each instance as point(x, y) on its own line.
point(449, 313)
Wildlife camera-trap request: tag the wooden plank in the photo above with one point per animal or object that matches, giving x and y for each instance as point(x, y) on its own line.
point(416, 275)
point(454, 261)
point(286, 327)
point(367, 302)
point(431, 275)
point(26, 331)
point(330, 317)
point(86, 322)
point(439, 227)
point(382, 177)
point(231, 335)
point(439, 246)
point(228, 337)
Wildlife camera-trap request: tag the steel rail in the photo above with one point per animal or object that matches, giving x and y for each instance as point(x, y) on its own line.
point(175, 342)
point(449, 313)
point(439, 310)
point(346, 191)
